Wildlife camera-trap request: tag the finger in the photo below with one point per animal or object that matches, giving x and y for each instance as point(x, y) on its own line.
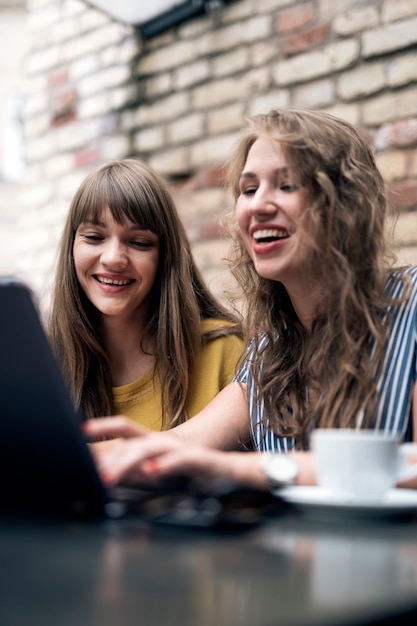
point(115, 426)
point(124, 460)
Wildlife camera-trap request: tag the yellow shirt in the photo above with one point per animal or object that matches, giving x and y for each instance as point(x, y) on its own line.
point(213, 370)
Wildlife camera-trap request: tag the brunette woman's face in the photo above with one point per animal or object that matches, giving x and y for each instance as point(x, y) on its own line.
point(268, 209)
point(116, 265)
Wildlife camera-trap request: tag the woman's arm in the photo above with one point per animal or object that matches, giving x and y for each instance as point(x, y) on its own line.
point(222, 424)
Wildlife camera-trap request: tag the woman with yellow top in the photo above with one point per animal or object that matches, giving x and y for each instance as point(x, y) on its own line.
point(133, 324)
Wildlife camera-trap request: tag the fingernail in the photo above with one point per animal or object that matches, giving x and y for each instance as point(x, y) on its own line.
point(151, 466)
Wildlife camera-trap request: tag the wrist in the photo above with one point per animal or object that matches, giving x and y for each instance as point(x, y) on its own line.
point(280, 470)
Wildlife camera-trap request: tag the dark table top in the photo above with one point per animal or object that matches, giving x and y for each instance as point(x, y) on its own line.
point(288, 570)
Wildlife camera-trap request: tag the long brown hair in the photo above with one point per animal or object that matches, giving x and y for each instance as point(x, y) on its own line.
point(345, 221)
point(180, 297)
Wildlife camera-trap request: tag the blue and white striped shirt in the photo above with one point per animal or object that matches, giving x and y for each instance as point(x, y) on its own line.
point(395, 383)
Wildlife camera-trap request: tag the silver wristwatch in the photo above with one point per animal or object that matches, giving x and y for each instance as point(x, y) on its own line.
point(281, 470)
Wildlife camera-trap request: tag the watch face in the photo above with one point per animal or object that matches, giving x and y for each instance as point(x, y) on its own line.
point(280, 469)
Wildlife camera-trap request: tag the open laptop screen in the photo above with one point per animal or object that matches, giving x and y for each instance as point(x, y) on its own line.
point(45, 463)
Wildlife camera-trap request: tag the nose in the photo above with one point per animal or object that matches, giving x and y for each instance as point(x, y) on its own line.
point(263, 201)
point(114, 254)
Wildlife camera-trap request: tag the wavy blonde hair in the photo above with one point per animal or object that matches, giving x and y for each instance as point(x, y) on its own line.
point(180, 297)
point(345, 221)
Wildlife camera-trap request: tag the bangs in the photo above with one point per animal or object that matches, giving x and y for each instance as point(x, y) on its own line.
point(125, 197)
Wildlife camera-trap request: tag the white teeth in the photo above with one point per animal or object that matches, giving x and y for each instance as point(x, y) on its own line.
point(267, 233)
point(108, 281)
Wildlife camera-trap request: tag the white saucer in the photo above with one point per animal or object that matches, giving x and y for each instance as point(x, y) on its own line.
point(397, 502)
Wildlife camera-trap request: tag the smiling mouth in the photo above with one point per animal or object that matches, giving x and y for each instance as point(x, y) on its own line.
point(110, 281)
point(270, 234)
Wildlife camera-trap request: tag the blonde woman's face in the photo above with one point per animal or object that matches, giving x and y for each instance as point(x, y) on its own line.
point(116, 265)
point(268, 209)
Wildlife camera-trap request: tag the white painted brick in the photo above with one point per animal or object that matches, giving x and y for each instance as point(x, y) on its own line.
point(163, 109)
point(268, 6)
point(392, 37)
point(355, 20)
point(91, 106)
point(158, 85)
point(170, 162)
point(256, 29)
point(43, 19)
point(237, 11)
point(191, 74)
point(185, 129)
point(123, 52)
point(312, 65)
point(84, 66)
point(71, 8)
point(231, 62)
point(105, 79)
point(390, 106)
point(219, 40)
point(37, 195)
point(67, 185)
point(347, 111)
point(90, 19)
point(193, 28)
point(398, 9)
point(115, 147)
point(166, 58)
point(202, 202)
point(362, 81)
point(37, 125)
point(219, 92)
point(212, 150)
point(62, 31)
point(149, 139)
point(261, 104)
point(76, 135)
point(119, 97)
point(319, 93)
point(262, 52)
point(39, 148)
point(93, 41)
point(226, 118)
point(43, 60)
point(402, 70)
point(257, 80)
point(58, 165)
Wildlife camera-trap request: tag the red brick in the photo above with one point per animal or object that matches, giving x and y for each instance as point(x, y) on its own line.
point(300, 42)
point(63, 107)
point(402, 196)
point(86, 157)
point(214, 176)
point(57, 78)
point(296, 18)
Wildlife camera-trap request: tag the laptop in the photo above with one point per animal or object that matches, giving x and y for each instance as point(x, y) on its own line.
point(45, 462)
point(46, 465)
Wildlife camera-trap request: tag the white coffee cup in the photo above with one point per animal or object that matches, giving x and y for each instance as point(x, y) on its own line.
point(360, 465)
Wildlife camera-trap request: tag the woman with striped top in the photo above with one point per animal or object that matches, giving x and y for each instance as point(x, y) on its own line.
point(331, 326)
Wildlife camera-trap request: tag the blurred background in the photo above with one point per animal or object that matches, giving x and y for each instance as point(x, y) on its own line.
point(172, 82)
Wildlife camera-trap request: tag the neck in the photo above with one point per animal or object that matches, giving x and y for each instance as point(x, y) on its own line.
point(305, 300)
point(129, 349)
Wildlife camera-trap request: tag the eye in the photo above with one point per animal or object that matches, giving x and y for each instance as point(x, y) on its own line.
point(248, 191)
point(93, 238)
point(288, 187)
point(141, 245)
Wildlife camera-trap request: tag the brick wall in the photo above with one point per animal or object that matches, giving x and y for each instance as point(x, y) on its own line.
point(96, 91)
